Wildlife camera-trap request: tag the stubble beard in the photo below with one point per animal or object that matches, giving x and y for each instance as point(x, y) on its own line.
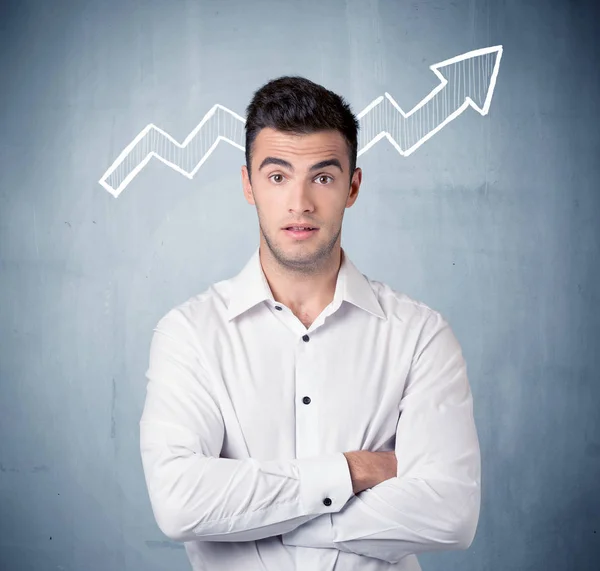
point(311, 261)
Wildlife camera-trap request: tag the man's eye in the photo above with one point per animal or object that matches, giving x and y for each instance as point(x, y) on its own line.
point(324, 176)
point(276, 175)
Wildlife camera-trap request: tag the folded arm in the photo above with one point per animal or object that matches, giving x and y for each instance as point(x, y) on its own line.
point(433, 503)
point(194, 494)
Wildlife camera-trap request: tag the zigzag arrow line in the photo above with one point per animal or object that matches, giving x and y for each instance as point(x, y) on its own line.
point(467, 80)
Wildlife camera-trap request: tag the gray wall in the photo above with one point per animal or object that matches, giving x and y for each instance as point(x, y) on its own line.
point(493, 222)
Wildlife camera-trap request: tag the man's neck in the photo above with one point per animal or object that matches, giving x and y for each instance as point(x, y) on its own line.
point(303, 293)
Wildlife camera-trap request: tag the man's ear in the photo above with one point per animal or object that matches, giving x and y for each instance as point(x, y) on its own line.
point(247, 187)
point(354, 187)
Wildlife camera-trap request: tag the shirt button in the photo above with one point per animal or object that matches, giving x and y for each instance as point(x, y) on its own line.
point(327, 501)
point(306, 400)
point(305, 338)
point(277, 307)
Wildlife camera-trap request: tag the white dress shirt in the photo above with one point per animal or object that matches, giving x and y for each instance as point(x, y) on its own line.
point(248, 413)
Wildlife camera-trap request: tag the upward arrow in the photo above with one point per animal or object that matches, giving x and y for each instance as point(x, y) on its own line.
point(465, 80)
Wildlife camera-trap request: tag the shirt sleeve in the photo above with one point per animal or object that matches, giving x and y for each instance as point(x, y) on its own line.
point(195, 494)
point(433, 503)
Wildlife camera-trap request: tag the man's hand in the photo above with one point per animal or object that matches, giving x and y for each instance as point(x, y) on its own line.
point(367, 469)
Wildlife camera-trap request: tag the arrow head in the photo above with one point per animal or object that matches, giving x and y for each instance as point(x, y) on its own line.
point(471, 76)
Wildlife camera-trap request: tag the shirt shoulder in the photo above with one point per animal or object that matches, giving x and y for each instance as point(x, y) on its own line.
point(203, 310)
point(400, 305)
point(412, 314)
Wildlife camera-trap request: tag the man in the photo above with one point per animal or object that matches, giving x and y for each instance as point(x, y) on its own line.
point(300, 415)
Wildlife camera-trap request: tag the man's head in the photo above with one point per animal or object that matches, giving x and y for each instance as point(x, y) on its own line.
point(301, 148)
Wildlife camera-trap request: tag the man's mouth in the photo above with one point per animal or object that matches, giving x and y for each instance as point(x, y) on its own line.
point(300, 231)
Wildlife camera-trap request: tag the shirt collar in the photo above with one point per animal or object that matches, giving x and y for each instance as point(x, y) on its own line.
point(250, 287)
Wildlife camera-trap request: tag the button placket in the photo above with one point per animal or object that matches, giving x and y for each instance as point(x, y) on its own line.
point(307, 437)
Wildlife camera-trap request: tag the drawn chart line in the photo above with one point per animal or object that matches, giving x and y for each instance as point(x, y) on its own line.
point(466, 80)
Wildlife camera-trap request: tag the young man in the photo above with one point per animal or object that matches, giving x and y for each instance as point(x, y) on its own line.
point(300, 415)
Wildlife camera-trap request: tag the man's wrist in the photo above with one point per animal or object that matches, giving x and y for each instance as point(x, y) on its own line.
point(367, 469)
point(360, 472)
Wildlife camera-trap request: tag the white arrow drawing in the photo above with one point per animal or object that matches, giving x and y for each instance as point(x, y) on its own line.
point(467, 80)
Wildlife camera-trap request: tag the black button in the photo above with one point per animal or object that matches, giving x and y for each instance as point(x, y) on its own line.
point(327, 501)
point(306, 400)
point(277, 307)
point(305, 338)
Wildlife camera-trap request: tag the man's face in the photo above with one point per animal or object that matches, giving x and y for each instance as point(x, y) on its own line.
point(312, 187)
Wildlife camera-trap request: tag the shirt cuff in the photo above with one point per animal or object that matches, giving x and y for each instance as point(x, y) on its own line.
point(325, 483)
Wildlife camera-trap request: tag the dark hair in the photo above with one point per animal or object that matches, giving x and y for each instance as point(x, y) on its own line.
point(297, 105)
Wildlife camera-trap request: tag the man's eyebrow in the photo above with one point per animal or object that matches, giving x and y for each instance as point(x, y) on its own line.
point(287, 165)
